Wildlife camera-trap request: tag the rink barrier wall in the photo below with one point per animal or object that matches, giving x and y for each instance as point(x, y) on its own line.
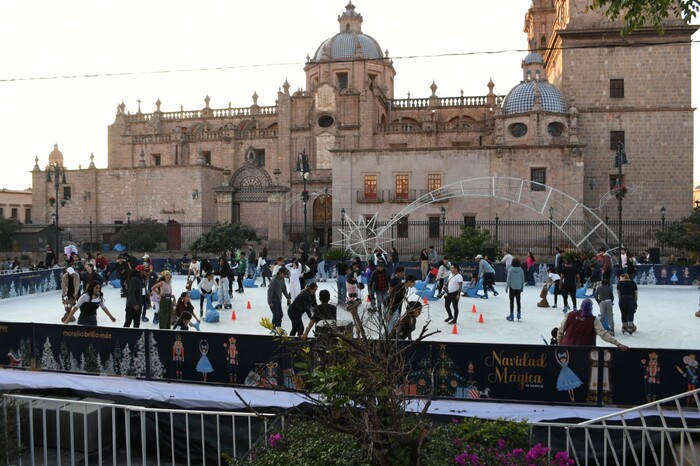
point(538, 373)
point(40, 281)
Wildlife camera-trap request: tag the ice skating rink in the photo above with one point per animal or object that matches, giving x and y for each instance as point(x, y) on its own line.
point(665, 317)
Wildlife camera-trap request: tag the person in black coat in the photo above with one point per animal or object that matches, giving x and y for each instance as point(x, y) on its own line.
point(305, 302)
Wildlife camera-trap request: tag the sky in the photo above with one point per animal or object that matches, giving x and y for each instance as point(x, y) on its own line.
point(67, 65)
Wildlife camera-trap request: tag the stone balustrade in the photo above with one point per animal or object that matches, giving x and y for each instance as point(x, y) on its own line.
point(199, 114)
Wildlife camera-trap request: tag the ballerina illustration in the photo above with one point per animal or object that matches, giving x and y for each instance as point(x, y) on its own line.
point(204, 366)
point(567, 380)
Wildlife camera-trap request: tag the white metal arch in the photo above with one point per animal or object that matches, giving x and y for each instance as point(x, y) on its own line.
point(577, 222)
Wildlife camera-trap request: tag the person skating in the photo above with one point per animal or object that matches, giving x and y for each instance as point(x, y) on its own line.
point(515, 281)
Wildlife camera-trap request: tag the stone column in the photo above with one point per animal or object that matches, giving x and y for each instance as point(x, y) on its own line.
point(276, 241)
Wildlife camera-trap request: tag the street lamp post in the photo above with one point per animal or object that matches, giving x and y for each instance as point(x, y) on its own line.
point(620, 160)
point(305, 172)
point(663, 226)
point(342, 223)
point(57, 174)
point(128, 231)
point(551, 225)
point(443, 213)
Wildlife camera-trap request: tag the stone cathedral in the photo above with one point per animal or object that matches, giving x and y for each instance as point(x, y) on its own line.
point(584, 89)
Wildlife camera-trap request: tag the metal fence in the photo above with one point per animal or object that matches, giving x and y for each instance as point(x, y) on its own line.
point(519, 237)
point(66, 431)
point(661, 433)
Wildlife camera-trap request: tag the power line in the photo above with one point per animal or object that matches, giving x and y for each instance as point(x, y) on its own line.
point(270, 65)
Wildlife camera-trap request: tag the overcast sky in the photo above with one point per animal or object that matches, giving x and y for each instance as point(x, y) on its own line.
point(130, 50)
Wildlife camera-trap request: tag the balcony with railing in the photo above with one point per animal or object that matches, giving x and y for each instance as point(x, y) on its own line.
point(370, 197)
point(403, 196)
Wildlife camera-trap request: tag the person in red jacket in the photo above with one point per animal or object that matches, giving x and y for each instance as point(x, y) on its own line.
point(579, 328)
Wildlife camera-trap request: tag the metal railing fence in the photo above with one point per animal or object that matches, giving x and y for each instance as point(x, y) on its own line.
point(661, 433)
point(518, 236)
point(65, 431)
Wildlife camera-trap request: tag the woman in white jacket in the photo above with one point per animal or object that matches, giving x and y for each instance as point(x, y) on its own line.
point(296, 271)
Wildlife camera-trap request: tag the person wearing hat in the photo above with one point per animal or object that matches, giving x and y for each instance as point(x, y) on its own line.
point(147, 262)
point(70, 291)
point(488, 274)
point(135, 291)
point(379, 285)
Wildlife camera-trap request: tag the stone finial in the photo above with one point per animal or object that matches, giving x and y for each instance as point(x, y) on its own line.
point(433, 88)
point(408, 94)
point(255, 98)
point(285, 86)
point(490, 85)
point(120, 108)
point(139, 102)
point(158, 105)
point(206, 101)
point(36, 164)
point(308, 58)
point(92, 160)
point(386, 53)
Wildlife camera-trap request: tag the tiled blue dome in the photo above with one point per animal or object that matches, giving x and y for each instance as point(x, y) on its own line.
point(533, 57)
point(522, 97)
point(342, 47)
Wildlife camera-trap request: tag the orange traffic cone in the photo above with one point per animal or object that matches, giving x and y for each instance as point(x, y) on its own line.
point(454, 329)
point(481, 318)
point(248, 306)
point(473, 308)
point(425, 300)
point(233, 315)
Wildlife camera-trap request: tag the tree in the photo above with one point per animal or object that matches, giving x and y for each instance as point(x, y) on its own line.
point(469, 243)
point(48, 361)
point(142, 235)
point(224, 236)
point(640, 13)
point(684, 234)
point(360, 384)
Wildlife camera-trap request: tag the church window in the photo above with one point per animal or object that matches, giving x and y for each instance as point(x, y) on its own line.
point(2, 212)
point(434, 226)
point(67, 193)
point(434, 181)
point(555, 129)
point(236, 213)
point(206, 155)
point(326, 121)
point(27, 215)
point(402, 227)
point(14, 213)
point(370, 186)
point(615, 138)
point(342, 81)
point(538, 175)
point(518, 130)
point(260, 157)
point(617, 88)
point(156, 159)
point(470, 221)
point(401, 186)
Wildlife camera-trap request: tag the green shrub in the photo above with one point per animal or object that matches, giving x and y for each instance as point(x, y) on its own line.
point(337, 254)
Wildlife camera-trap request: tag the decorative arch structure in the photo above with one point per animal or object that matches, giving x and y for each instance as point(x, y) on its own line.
point(250, 183)
point(577, 222)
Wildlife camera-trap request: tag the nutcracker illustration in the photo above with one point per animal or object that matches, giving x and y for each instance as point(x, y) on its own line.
point(232, 359)
point(691, 375)
point(652, 375)
point(178, 356)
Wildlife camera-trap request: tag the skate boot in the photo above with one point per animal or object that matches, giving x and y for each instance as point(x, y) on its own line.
point(227, 306)
point(631, 328)
point(144, 318)
point(218, 306)
point(156, 319)
point(625, 328)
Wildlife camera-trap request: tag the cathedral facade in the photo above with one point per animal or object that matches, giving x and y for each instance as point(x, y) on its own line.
point(346, 144)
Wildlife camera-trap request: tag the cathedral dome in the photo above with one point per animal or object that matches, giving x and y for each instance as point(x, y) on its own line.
point(350, 43)
point(521, 98)
point(56, 156)
point(533, 57)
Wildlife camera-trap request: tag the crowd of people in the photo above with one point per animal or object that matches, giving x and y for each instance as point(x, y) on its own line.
point(379, 277)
